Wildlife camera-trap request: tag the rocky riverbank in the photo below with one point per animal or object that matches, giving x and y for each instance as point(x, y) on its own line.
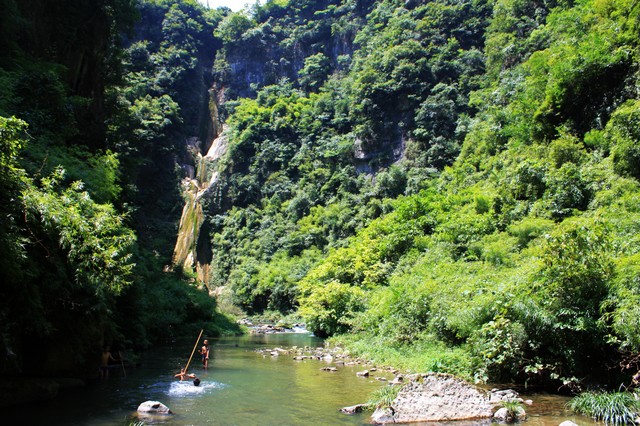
point(333, 357)
point(265, 328)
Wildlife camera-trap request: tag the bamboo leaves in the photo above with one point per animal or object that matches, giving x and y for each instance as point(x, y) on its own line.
point(94, 236)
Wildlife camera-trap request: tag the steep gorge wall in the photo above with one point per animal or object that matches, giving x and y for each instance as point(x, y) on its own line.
point(280, 42)
point(193, 248)
point(263, 55)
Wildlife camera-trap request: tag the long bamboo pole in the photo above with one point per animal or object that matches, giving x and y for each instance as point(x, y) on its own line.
point(193, 351)
point(122, 364)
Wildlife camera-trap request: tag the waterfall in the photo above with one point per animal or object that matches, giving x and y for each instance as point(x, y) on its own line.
point(193, 248)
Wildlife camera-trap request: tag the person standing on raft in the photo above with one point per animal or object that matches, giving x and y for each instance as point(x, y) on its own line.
point(204, 351)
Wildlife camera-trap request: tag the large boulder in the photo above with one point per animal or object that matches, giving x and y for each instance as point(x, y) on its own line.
point(436, 397)
point(153, 407)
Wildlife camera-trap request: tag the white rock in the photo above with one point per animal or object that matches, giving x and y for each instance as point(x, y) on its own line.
point(153, 407)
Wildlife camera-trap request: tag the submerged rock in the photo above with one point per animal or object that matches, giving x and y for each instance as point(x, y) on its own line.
point(358, 408)
point(397, 380)
point(364, 373)
point(504, 395)
point(436, 397)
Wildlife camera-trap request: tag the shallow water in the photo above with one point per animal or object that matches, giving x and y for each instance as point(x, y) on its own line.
point(241, 387)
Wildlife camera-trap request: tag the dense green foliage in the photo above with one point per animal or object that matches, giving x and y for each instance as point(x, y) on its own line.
point(444, 185)
point(456, 193)
point(94, 115)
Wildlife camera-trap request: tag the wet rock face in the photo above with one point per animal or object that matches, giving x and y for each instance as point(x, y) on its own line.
point(436, 397)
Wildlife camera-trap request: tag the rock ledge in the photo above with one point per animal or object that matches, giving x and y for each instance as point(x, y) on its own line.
point(436, 397)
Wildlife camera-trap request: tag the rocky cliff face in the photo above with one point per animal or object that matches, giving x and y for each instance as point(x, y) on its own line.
point(271, 50)
point(193, 248)
point(279, 44)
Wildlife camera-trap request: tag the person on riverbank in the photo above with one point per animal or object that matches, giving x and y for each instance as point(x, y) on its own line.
point(182, 375)
point(204, 351)
point(105, 357)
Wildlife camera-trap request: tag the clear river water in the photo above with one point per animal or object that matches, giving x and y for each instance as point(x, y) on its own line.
point(241, 387)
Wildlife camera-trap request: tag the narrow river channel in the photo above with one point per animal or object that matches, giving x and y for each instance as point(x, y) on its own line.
point(241, 387)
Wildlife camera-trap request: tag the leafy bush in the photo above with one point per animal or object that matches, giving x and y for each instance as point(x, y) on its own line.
point(625, 302)
point(622, 130)
point(566, 150)
point(514, 408)
point(529, 229)
point(568, 189)
point(330, 309)
point(94, 237)
point(499, 346)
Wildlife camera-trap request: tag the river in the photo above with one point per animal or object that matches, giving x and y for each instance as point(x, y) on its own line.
point(241, 387)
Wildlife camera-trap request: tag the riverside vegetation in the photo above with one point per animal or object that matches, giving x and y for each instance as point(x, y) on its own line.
point(446, 186)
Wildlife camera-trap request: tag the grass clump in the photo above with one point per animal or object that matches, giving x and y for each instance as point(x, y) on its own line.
point(383, 397)
point(613, 408)
point(515, 410)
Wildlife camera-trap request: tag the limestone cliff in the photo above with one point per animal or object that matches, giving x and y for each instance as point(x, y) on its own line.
point(193, 248)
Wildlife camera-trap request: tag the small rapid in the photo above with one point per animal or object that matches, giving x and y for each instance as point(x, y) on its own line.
point(189, 389)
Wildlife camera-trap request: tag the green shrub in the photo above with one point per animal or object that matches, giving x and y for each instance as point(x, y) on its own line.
point(514, 408)
point(623, 133)
point(529, 229)
point(498, 249)
point(577, 265)
point(329, 309)
point(568, 189)
point(567, 149)
point(626, 302)
point(499, 348)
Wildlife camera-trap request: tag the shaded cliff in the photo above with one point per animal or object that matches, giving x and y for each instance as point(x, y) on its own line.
point(302, 41)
